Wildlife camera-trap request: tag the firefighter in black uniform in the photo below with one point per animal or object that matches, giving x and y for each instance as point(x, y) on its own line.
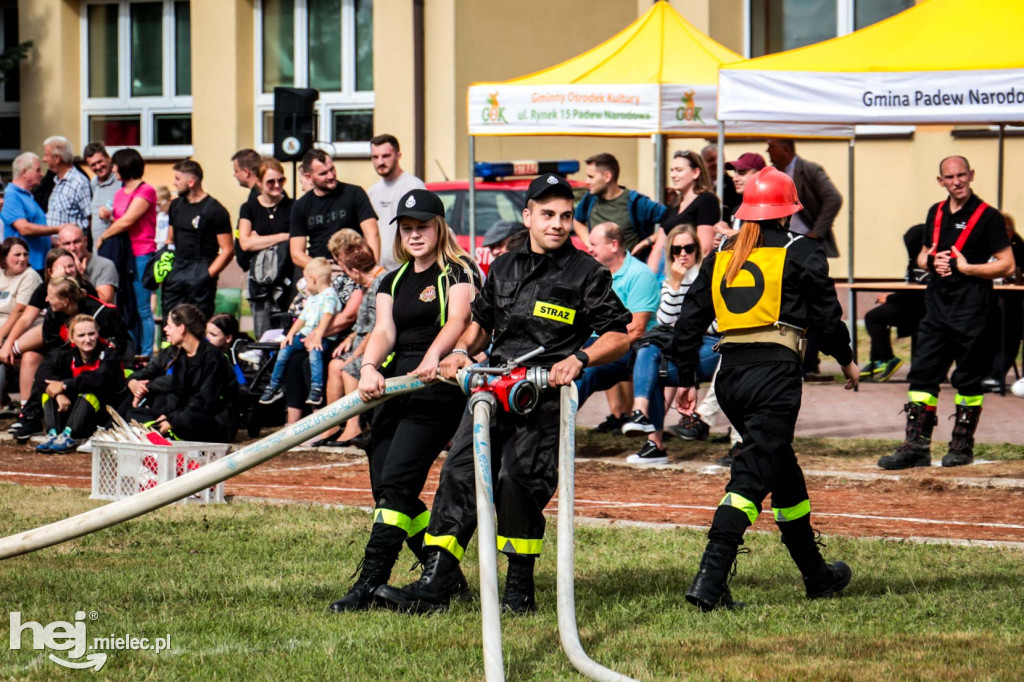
point(965, 248)
point(422, 309)
point(544, 293)
point(766, 289)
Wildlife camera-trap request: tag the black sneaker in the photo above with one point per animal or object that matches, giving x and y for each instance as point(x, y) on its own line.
point(648, 454)
point(611, 424)
point(315, 397)
point(26, 430)
point(730, 457)
point(691, 427)
point(638, 424)
point(271, 395)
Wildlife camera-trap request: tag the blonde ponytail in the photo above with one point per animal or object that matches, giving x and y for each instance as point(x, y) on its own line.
point(748, 240)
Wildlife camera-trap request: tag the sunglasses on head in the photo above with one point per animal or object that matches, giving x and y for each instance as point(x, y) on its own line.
point(681, 248)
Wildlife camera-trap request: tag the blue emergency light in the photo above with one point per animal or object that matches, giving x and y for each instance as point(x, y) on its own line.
point(492, 171)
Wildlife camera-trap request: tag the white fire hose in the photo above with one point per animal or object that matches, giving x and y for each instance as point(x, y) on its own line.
point(202, 478)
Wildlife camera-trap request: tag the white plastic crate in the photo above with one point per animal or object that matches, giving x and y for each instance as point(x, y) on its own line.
point(124, 469)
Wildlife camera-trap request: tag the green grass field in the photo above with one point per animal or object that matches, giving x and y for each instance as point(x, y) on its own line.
point(242, 591)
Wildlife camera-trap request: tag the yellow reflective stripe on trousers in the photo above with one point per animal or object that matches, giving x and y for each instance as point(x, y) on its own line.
point(968, 400)
point(445, 542)
point(923, 398)
point(791, 513)
point(419, 523)
point(520, 545)
point(92, 400)
point(392, 518)
point(741, 503)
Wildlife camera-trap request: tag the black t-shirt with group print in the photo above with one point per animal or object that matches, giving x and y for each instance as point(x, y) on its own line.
point(319, 217)
point(416, 308)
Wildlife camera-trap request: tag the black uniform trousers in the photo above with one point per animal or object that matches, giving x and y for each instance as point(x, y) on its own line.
point(189, 282)
point(408, 434)
point(524, 477)
point(940, 344)
point(82, 417)
point(762, 401)
point(903, 310)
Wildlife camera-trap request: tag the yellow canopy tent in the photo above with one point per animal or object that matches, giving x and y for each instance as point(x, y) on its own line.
point(658, 76)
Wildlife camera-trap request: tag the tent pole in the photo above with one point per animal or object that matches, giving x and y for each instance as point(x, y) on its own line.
point(659, 167)
point(720, 175)
point(472, 197)
point(849, 253)
point(1002, 141)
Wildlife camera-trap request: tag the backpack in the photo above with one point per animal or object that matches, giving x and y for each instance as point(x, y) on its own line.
point(269, 265)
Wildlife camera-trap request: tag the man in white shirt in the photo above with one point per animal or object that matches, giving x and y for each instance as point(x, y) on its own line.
point(385, 193)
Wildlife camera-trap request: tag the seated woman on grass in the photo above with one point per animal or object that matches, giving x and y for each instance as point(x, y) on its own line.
point(81, 378)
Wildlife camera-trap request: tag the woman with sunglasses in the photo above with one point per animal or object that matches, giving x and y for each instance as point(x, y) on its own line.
point(652, 371)
point(697, 205)
point(263, 226)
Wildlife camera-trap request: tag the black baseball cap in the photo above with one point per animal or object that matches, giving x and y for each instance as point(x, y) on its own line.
point(502, 230)
point(421, 204)
point(549, 184)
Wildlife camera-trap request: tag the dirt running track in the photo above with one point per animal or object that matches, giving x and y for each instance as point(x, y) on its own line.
point(928, 503)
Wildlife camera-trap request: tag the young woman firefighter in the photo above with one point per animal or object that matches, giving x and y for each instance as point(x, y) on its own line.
point(422, 309)
point(765, 289)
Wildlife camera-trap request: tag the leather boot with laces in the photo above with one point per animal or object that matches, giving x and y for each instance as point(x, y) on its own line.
point(821, 580)
point(374, 571)
point(519, 592)
point(710, 589)
point(916, 449)
point(441, 582)
point(961, 445)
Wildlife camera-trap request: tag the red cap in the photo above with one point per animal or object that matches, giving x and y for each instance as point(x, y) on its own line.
point(769, 194)
point(748, 161)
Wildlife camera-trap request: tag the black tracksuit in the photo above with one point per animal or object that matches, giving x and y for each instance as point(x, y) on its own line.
point(759, 385)
point(555, 300)
point(89, 383)
point(196, 394)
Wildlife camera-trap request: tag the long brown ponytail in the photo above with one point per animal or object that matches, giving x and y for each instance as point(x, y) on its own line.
point(748, 240)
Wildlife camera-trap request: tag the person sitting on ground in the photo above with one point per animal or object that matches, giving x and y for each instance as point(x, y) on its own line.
point(17, 282)
point(900, 309)
point(309, 331)
point(652, 370)
point(24, 343)
point(343, 371)
point(187, 391)
point(66, 299)
point(81, 378)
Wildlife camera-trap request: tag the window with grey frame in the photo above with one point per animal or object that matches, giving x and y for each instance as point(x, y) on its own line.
point(322, 44)
point(150, 42)
point(779, 25)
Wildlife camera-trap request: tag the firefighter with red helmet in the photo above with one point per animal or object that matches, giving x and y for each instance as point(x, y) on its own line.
point(766, 288)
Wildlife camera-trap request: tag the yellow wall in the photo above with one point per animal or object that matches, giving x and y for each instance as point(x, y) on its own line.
point(474, 40)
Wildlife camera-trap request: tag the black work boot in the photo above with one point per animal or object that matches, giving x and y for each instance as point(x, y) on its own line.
point(379, 558)
point(376, 570)
point(821, 580)
point(519, 598)
point(415, 545)
point(915, 451)
point(710, 589)
point(961, 445)
point(441, 582)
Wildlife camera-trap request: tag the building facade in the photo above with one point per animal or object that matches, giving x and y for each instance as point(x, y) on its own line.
point(180, 78)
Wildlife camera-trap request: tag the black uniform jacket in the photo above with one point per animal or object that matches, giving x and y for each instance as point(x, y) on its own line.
point(103, 377)
point(203, 384)
point(808, 301)
point(108, 323)
point(555, 300)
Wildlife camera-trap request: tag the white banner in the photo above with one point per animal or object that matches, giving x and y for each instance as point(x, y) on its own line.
point(991, 96)
point(566, 109)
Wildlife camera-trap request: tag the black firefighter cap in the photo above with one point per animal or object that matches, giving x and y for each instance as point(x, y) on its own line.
point(421, 204)
point(549, 183)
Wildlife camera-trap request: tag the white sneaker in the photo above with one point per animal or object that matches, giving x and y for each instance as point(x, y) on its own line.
point(253, 357)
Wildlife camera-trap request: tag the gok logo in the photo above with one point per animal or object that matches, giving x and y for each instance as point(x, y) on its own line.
point(495, 113)
point(689, 111)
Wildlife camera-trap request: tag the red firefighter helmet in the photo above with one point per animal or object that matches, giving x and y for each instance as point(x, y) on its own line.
point(769, 194)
